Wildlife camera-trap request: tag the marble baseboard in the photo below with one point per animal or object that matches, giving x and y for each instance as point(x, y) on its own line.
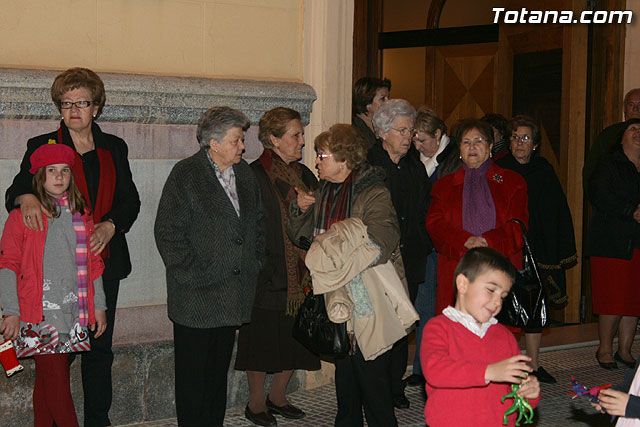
point(143, 386)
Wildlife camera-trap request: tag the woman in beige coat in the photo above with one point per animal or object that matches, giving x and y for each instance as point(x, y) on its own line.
point(350, 188)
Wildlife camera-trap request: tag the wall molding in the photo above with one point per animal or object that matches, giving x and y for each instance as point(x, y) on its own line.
point(136, 98)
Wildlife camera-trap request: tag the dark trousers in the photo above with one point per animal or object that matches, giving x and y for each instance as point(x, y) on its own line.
point(364, 383)
point(202, 358)
point(96, 365)
point(399, 355)
point(52, 401)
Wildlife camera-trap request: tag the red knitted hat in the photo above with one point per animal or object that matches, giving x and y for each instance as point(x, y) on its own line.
point(51, 154)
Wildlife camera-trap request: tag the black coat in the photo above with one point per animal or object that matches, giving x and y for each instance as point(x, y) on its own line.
point(126, 201)
point(410, 190)
point(271, 293)
point(212, 256)
point(551, 231)
point(614, 190)
point(365, 131)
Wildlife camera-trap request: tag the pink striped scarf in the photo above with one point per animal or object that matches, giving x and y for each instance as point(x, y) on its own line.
point(81, 261)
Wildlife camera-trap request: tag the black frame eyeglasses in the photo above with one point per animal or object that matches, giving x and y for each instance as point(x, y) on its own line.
point(65, 105)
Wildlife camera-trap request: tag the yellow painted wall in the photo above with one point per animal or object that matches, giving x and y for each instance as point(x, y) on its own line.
point(210, 38)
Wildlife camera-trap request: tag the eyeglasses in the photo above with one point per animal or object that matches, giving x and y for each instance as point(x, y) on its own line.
point(322, 156)
point(404, 131)
point(524, 138)
point(65, 105)
point(474, 141)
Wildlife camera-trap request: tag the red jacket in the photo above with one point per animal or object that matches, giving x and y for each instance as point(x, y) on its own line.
point(22, 250)
point(444, 223)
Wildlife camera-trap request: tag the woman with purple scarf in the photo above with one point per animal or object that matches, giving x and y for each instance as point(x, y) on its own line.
point(473, 207)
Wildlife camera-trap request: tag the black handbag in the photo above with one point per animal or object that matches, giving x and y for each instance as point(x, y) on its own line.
point(526, 304)
point(313, 329)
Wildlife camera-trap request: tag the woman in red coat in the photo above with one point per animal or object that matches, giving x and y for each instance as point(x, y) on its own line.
point(472, 208)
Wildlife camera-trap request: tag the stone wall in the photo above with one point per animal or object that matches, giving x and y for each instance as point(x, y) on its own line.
point(157, 118)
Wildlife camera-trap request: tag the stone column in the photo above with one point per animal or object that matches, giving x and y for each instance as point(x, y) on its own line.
point(327, 65)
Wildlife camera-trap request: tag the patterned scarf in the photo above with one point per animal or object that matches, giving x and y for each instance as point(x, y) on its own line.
point(335, 206)
point(81, 260)
point(284, 178)
point(335, 203)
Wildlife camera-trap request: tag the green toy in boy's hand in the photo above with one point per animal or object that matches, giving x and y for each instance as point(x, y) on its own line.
point(520, 404)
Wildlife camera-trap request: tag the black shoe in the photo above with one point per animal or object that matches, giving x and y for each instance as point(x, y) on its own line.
point(415, 380)
point(628, 363)
point(544, 376)
point(287, 411)
point(261, 419)
point(400, 401)
point(609, 366)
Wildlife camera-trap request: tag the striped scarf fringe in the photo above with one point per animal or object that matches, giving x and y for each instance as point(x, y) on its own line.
point(81, 260)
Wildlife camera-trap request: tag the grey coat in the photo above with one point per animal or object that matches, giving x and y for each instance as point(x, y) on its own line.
point(212, 257)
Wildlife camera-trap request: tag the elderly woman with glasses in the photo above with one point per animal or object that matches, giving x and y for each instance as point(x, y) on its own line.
point(409, 186)
point(550, 225)
point(354, 198)
point(103, 176)
point(210, 233)
point(473, 208)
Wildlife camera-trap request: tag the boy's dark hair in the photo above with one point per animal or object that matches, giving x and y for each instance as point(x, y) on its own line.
point(478, 260)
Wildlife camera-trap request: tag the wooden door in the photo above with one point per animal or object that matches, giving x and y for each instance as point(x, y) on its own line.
point(565, 150)
point(464, 81)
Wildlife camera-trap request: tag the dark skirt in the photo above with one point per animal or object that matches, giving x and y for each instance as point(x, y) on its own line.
point(266, 345)
point(614, 285)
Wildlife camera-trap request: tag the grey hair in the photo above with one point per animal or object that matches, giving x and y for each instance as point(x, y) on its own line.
point(388, 111)
point(631, 92)
point(215, 123)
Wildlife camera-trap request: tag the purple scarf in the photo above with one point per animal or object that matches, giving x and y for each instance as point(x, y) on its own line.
point(478, 209)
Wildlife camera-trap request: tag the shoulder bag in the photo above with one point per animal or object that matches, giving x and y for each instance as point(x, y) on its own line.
point(313, 329)
point(526, 304)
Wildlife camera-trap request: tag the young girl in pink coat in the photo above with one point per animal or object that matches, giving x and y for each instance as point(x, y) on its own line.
point(51, 285)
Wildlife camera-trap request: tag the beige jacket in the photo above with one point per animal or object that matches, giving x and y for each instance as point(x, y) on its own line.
point(334, 259)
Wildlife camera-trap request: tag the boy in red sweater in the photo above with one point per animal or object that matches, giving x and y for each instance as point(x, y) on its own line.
point(469, 360)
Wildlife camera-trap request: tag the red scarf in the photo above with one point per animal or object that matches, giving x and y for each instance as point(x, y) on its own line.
point(106, 187)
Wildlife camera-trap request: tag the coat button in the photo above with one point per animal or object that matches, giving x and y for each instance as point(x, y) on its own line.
point(236, 271)
point(239, 241)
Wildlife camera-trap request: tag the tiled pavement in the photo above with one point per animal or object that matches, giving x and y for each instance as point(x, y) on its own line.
point(556, 407)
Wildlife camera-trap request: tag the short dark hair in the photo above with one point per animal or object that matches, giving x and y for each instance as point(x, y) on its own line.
point(365, 90)
point(274, 123)
point(531, 123)
point(79, 78)
point(618, 141)
point(478, 260)
point(499, 123)
point(468, 124)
